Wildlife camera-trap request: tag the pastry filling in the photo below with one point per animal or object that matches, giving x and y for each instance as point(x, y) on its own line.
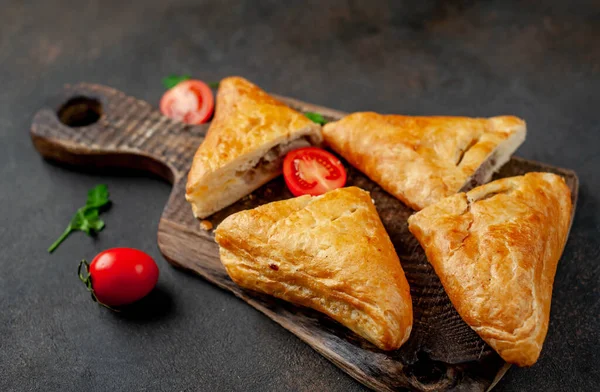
point(482, 174)
point(271, 162)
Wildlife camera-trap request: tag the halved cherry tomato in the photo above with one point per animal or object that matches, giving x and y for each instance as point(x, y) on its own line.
point(120, 276)
point(312, 171)
point(190, 101)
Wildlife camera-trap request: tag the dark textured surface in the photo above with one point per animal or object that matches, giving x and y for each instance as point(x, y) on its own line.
point(540, 62)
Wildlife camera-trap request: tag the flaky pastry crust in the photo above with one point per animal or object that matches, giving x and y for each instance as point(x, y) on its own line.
point(421, 160)
point(248, 123)
point(495, 250)
point(330, 253)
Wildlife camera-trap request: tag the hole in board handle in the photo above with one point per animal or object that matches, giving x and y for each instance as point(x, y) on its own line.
point(80, 111)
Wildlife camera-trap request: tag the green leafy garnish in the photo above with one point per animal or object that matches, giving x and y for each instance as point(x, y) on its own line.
point(173, 80)
point(86, 218)
point(316, 117)
point(97, 196)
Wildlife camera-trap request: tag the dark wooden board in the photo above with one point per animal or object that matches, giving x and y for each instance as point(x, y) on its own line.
point(97, 127)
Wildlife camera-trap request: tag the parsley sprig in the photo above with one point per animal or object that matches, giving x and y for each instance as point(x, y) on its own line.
point(316, 118)
point(86, 218)
point(173, 80)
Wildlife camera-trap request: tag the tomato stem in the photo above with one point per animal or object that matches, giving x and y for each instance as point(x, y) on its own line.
point(87, 280)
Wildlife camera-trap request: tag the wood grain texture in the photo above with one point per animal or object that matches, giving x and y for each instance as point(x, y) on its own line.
point(442, 354)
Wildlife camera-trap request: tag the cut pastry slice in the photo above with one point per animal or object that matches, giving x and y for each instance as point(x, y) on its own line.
point(495, 250)
point(250, 134)
point(330, 253)
point(421, 160)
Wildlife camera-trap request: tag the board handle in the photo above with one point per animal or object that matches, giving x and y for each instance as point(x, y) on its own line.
point(98, 126)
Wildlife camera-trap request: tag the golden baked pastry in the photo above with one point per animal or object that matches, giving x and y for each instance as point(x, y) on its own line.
point(330, 253)
point(250, 134)
point(421, 160)
point(495, 250)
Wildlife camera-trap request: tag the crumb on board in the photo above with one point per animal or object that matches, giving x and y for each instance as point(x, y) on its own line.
point(251, 196)
point(206, 225)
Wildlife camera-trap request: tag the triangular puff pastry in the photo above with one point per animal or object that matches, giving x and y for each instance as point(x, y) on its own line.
point(495, 250)
point(330, 253)
point(250, 134)
point(421, 160)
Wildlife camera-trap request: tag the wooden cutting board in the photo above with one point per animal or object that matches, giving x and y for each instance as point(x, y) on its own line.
point(97, 126)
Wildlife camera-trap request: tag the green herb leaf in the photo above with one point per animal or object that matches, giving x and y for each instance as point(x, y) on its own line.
point(173, 80)
point(316, 117)
point(87, 218)
point(97, 196)
point(214, 85)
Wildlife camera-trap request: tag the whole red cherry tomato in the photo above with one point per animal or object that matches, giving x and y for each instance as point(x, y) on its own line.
point(120, 276)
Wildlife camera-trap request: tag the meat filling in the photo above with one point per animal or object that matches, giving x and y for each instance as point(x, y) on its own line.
point(273, 159)
point(480, 175)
